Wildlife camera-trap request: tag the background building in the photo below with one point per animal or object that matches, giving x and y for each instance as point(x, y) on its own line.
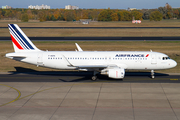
point(39, 7)
point(6, 7)
point(70, 7)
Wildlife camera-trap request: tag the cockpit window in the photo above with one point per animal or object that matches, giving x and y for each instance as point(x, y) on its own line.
point(166, 58)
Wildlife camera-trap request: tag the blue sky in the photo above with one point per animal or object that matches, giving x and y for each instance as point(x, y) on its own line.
point(99, 4)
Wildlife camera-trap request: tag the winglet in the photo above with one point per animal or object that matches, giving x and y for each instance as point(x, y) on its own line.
point(78, 47)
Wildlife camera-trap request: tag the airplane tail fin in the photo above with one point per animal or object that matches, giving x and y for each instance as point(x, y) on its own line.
point(20, 41)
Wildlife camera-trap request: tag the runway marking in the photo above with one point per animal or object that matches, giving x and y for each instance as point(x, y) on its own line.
point(40, 91)
point(18, 98)
point(19, 95)
point(52, 88)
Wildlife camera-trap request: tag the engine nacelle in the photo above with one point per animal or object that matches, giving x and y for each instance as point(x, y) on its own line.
point(116, 73)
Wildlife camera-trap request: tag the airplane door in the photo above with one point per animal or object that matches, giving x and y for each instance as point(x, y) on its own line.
point(40, 59)
point(153, 59)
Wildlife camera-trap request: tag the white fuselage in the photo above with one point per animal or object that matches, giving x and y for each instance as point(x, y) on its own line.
point(128, 60)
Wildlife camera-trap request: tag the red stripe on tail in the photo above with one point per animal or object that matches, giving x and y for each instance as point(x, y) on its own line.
point(16, 43)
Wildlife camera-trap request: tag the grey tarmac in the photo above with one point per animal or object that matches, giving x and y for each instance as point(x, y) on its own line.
point(73, 96)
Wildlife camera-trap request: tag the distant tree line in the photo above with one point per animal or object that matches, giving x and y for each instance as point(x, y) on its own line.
point(94, 14)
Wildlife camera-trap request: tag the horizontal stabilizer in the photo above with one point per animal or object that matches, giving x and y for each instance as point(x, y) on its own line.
point(9, 55)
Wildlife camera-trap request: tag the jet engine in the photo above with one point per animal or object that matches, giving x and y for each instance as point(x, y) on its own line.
point(116, 73)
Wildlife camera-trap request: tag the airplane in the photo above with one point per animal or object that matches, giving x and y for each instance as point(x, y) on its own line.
point(110, 63)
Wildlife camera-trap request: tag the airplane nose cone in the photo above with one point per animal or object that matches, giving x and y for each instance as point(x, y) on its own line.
point(174, 63)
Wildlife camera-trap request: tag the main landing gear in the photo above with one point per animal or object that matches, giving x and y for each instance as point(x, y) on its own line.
point(94, 77)
point(152, 74)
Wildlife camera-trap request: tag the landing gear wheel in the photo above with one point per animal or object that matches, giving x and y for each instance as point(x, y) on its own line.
point(152, 74)
point(94, 78)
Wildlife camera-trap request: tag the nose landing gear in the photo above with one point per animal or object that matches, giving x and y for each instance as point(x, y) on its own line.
point(152, 74)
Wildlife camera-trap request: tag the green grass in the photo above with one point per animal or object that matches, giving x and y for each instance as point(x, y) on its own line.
point(145, 23)
point(96, 32)
point(171, 48)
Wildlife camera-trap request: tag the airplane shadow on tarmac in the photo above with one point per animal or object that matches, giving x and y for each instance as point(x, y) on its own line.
point(78, 76)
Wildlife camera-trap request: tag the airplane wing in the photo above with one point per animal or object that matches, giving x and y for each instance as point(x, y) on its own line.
point(99, 66)
point(91, 66)
point(110, 66)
